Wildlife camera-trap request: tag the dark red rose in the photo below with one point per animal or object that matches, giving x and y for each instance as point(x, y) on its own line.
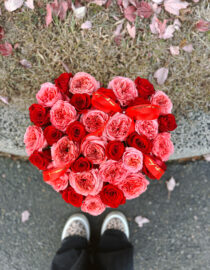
point(107, 92)
point(76, 131)
point(167, 122)
point(144, 87)
point(112, 196)
point(47, 154)
point(115, 150)
point(69, 195)
point(140, 142)
point(62, 82)
point(81, 164)
point(39, 115)
point(52, 134)
point(158, 162)
point(138, 101)
point(81, 102)
point(39, 160)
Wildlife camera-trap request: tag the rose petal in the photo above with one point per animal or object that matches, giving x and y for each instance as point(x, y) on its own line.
point(188, 48)
point(5, 49)
point(130, 13)
point(80, 12)
point(48, 18)
point(144, 10)
point(171, 184)
point(4, 100)
point(131, 30)
point(25, 63)
point(30, 4)
point(1, 32)
point(174, 50)
point(207, 157)
point(161, 75)
point(12, 5)
point(173, 6)
point(118, 29)
point(141, 221)
point(157, 1)
point(25, 216)
point(86, 25)
point(202, 26)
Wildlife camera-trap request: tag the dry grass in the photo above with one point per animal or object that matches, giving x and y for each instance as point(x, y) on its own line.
point(95, 52)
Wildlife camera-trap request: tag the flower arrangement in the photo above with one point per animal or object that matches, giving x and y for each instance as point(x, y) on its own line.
point(96, 145)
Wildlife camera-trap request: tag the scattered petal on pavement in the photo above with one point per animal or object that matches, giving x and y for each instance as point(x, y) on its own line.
point(161, 75)
point(141, 221)
point(25, 216)
point(207, 157)
point(171, 184)
point(4, 100)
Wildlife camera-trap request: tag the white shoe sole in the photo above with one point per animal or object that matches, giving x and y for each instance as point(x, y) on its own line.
point(119, 215)
point(80, 217)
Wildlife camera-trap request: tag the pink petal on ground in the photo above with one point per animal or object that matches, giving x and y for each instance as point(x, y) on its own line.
point(174, 50)
point(171, 184)
point(196, 1)
point(125, 3)
point(169, 32)
point(99, 2)
point(130, 13)
point(188, 48)
point(131, 30)
point(202, 26)
point(108, 3)
point(157, 1)
point(173, 6)
point(161, 75)
point(30, 4)
point(6, 49)
point(86, 25)
point(63, 10)
point(156, 9)
point(153, 25)
point(207, 157)
point(144, 10)
point(1, 32)
point(141, 221)
point(118, 40)
point(25, 216)
point(118, 29)
point(25, 63)
point(12, 5)
point(48, 18)
point(4, 100)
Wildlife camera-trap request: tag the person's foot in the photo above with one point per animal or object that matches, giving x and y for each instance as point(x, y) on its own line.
point(115, 220)
point(77, 224)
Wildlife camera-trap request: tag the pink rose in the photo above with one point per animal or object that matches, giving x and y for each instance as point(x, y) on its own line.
point(149, 128)
point(162, 100)
point(83, 83)
point(94, 120)
point(86, 183)
point(118, 127)
point(112, 171)
point(163, 146)
point(132, 159)
point(134, 185)
point(64, 152)
point(48, 95)
point(93, 205)
point(60, 183)
point(62, 114)
point(124, 89)
point(34, 139)
point(93, 148)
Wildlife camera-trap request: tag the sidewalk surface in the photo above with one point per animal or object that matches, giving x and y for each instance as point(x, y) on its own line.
point(177, 237)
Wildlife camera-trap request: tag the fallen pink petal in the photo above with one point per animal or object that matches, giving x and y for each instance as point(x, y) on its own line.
point(171, 184)
point(25, 216)
point(202, 26)
point(25, 63)
point(48, 18)
point(1, 32)
point(188, 48)
point(86, 25)
point(4, 100)
point(144, 10)
point(161, 75)
point(6, 49)
point(12, 5)
point(174, 6)
point(141, 221)
point(130, 13)
point(30, 4)
point(131, 30)
point(174, 50)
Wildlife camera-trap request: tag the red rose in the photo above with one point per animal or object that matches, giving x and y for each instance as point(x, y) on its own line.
point(40, 160)
point(107, 92)
point(81, 102)
point(144, 87)
point(47, 154)
point(76, 131)
point(167, 122)
point(140, 142)
point(81, 164)
point(158, 162)
point(62, 82)
point(69, 195)
point(52, 134)
point(114, 150)
point(112, 196)
point(138, 101)
point(38, 115)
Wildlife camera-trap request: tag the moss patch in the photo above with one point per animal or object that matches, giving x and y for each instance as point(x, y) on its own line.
point(95, 52)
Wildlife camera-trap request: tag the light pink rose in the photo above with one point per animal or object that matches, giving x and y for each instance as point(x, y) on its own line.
point(134, 185)
point(34, 139)
point(94, 120)
point(124, 89)
point(86, 183)
point(132, 159)
point(93, 205)
point(48, 95)
point(64, 152)
point(112, 171)
point(60, 183)
point(163, 146)
point(83, 83)
point(118, 127)
point(94, 149)
point(149, 128)
point(62, 114)
point(162, 100)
